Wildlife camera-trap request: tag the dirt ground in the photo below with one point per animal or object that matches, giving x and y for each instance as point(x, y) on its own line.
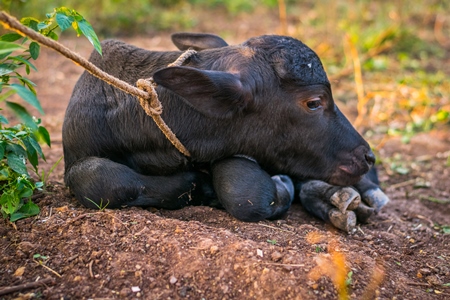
point(204, 253)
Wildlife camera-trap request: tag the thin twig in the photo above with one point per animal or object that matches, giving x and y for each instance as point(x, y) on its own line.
point(282, 265)
point(418, 284)
point(90, 269)
point(417, 245)
point(48, 268)
point(273, 227)
point(402, 184)
point(25, 286)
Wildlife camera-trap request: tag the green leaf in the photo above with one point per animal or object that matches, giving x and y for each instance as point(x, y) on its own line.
point(6, 95)
point(2, 149)
point(36, 146)
point(27, 210)
point(30, 22)
point(22, 113)
point(4, 55)
point(31, 152)
point(28, 96)
point(16, 163)
point(3, 120)
point(7, 68)
point(64, 21)
point(24, 61)
point(4, 174)
point(9, 202)
point(52, 35)
point(30, 84)
point(16, 149)
point(43, 133)
point(35, 49)
point(88, 31)
point(43, 25)
point(26, 192)
point(10, 37)
point(6, 47)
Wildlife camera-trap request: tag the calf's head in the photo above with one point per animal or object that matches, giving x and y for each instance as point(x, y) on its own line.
point(268, 98)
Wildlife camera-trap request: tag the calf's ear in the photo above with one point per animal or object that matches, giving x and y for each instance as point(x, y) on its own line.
point(197, 41)
point(212, 93)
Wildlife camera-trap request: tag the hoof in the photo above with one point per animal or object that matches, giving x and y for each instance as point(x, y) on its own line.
point(363, 212)
point(285, 187)
point(375, 198)
point(344, 221)
point(346, 199)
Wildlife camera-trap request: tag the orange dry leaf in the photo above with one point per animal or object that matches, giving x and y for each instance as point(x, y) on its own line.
point(62, 208)
point(19, 272)
point(315, 237)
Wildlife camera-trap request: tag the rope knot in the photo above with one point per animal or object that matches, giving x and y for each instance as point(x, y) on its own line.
point(151, 103)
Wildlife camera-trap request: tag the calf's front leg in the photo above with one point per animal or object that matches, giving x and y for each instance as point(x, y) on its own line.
point(248, 193)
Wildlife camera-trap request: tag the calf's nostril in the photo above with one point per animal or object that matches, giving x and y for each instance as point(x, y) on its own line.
point(370, 157)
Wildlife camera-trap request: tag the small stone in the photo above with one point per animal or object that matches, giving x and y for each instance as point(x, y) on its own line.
point(259, 252)
point(214, 249)
point(433, 279)
point(135, 289)
point(425, 271)
point(125, 292)
point(173, 279)
point(276, 256)
point(184, 290)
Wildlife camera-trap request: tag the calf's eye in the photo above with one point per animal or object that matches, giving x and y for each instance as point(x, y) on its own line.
point(314, 104)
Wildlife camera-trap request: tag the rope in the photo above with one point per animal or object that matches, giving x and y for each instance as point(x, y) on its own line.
point(145, 90)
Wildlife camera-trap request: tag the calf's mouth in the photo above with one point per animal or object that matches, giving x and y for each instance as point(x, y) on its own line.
point(353, 166)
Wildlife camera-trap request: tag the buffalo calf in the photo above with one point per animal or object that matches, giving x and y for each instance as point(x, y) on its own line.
point(258, 118)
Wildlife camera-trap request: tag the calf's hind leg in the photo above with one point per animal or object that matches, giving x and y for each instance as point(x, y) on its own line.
point(98, 182)
point(330, 203)
point(342, 206)
point(248, 193)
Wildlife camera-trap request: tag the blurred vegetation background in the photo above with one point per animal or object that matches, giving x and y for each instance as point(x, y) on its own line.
point(389, 61)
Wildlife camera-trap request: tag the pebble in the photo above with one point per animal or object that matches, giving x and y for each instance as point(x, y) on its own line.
point(276, 256)
point(135, 289)
point(259, 252)
point(214, 249)
point(173, 279)
point(425, 271)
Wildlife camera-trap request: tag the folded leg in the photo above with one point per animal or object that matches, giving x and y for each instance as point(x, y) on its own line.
point(98, 182)
point(248, 193)
point(342, 206)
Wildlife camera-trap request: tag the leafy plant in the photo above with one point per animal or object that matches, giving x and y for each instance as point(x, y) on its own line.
point(100, 206)
point(349, 279)
point(40, 257)
point(19, 144)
